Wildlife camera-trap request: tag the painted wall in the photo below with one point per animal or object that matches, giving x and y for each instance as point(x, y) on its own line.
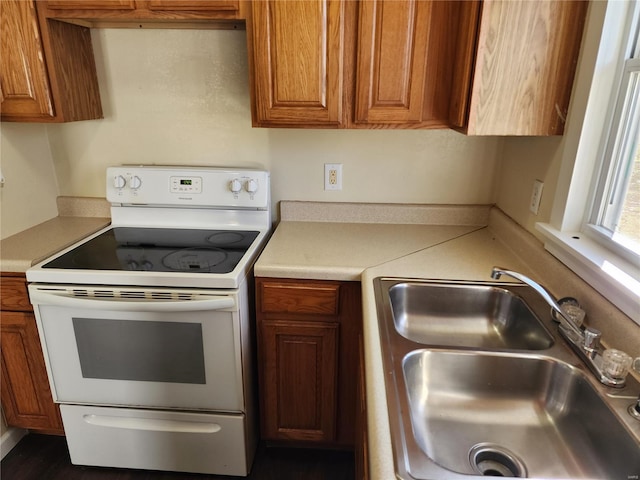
point(524, 160)
point(28, 196)
point(182, 97)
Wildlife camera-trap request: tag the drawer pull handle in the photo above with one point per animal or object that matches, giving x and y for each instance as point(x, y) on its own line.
point(151, 424)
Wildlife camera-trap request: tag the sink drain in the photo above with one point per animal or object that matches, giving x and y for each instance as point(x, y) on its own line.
point(492, 460)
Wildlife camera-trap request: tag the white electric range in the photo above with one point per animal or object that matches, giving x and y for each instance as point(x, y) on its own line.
point(146, 325)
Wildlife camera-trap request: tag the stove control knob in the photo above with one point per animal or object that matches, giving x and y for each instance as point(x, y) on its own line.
point(235, 186)
point(136, 182)
point(119, 182)
point(147, 265)
point(133, 265)
point(251, 185)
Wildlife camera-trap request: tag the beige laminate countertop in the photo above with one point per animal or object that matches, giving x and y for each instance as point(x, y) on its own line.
point(330, 241)
point(359, 249)
point(22, 250)
point(342, 251)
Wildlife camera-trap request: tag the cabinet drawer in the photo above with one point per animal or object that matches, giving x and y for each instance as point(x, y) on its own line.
point(14, 295)
point(306, 298)
point(162, 440)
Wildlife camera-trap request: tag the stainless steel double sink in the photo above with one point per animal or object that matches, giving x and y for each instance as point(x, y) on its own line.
point(479, 384)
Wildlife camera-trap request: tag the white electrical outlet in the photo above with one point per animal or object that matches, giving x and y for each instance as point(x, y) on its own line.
point(536, 195)
point(333, 176)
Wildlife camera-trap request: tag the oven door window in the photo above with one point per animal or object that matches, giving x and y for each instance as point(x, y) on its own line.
point(140, 351)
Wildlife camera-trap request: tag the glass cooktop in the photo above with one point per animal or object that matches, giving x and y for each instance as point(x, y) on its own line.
point(159, 250)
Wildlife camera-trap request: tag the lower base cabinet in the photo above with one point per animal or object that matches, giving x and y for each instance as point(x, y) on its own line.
point(308, 360)
point(26, 397)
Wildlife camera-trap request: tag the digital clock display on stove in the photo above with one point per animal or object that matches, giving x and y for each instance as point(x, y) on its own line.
point(186, 185)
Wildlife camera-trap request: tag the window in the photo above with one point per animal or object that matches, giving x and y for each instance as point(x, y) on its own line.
point(615, 216)
point(595, 223)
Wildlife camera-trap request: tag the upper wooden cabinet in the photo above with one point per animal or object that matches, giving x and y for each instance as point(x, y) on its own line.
point(344, 64)
point(297, 62)
point(403, 62)
point(496, 67)
point(47, 72)
point(525, 62)
point(131, 13)
point(34, 58)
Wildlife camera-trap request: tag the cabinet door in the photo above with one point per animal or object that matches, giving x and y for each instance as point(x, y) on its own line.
point(24, 81)
point(393, 39)
point(300, 374)
point(526, 58)
point(26, 398)
point(404, 66)
point(297, 62)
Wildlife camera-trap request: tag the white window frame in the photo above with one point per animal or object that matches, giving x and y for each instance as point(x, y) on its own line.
point(568, 235)
point(624, 124)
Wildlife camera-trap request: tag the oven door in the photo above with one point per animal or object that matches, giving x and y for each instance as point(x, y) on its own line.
point(157, 348)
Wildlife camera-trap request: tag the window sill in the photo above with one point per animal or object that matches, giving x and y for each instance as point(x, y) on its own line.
point(614, 277)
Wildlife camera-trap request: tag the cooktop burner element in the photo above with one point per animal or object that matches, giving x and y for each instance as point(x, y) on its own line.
point(159, 250)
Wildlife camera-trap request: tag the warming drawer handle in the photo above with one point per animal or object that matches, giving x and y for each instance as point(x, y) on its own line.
point(151, 424)
point(213, 303)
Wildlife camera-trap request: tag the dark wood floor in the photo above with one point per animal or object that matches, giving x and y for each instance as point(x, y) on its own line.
point(45, 457)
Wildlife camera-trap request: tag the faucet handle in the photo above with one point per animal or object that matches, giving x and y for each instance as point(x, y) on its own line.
point(572, 309)
point(616, 363)
point(591, 339)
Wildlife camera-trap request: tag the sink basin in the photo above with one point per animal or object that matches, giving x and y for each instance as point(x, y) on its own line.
point(476, 385)
point(464, 315)
point(495, 414)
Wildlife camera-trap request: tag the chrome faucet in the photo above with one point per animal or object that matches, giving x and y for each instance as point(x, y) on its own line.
point(565, 319)
point(586, 343)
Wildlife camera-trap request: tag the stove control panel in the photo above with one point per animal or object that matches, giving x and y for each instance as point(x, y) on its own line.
point(188, 186)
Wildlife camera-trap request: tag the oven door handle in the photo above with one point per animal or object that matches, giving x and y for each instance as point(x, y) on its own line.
point(218, 302)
